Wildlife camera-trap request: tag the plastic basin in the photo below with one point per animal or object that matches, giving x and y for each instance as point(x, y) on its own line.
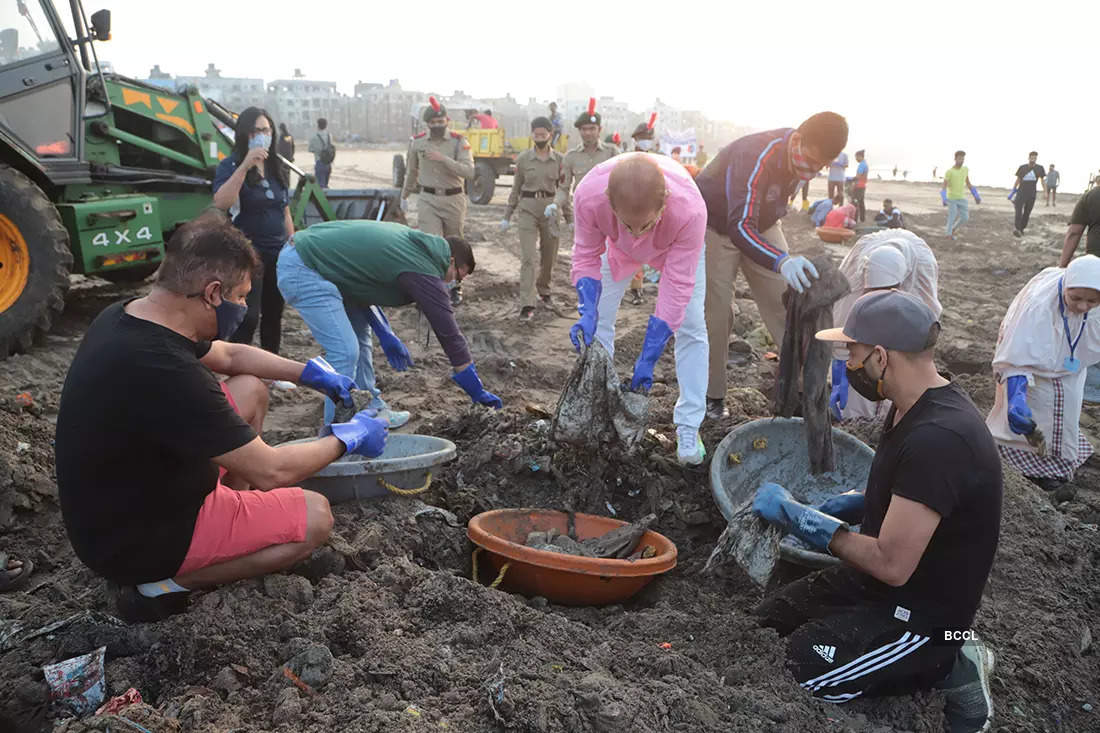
point(774, 449)
point(406, 464)
point(1092, 384)
point(566, 579)
point(834, 235)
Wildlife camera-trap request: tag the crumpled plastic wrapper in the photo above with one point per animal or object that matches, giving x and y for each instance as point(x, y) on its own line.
point(594, 409)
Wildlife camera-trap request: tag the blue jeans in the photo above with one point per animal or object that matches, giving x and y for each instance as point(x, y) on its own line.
point(342, 330)
point(321, 172)
point(958, 212)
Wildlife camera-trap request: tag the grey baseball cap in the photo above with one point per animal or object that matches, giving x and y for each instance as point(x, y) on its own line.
point(888, 318)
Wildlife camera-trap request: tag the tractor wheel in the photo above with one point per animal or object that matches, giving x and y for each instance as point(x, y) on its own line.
point(34, 262)
point(485, 180)
point(398, 171)
point(133, 274)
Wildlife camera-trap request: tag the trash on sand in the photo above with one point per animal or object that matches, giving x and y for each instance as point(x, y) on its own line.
point(611, 509)
point(11, 633)
point(771, 356)
point(78, 685)
point(665, 645)
point(297, 681)
point(22, 447)
point(118, 702)
point(24, 399)
point(495, 688)
point(593, 410)
point(618, 543)
point(750, 542)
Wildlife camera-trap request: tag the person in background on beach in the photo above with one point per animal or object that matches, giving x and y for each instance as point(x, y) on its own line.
point(841, 217)
point(1023, 193)
point(1051, 182)
point(836, 176)
point(286, 142)
point(701, 158)
point(555, 120)
point(953, 194)
point(1044, 349)
point(859, 187)
point(889, 216)
point(1086, 216)
point(929, 516)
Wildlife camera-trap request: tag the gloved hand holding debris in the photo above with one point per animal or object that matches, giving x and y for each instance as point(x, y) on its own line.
point(777, 506)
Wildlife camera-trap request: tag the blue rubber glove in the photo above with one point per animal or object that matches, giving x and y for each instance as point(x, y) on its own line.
point(396, 352)
point(1020, 420)
point(1012, 194)
point(777, 506)
point(471, 382)
point(847, 507)
point(320, 375)
point(838, 398)
point(365, 434)
point(798, 271)
point(588, 300)
point(657, 334)
point(943, 196)
point(974, 193)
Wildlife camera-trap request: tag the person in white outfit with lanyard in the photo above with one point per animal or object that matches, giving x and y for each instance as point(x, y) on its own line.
point(1046, 343)
point(892, 259)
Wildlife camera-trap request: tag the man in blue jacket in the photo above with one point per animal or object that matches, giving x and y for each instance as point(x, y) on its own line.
point(746, 189)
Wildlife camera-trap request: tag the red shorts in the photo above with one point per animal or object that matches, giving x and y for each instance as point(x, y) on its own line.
point(233, 523)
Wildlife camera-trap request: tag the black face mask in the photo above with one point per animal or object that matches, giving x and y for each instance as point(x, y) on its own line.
point(864, 384)
point(437, 130)
point(540, 144)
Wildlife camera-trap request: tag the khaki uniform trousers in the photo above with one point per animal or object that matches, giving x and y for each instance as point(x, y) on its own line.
point(443, 216)
point(723, 260)
point(538, 249)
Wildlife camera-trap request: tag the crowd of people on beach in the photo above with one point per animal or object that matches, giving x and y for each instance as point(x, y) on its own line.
point(206, 501)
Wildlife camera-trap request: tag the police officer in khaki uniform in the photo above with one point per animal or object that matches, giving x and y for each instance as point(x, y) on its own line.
point(438, 163)
point(583, 158)
point(538, 173)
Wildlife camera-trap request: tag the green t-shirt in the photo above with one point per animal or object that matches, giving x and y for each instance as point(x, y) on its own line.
point(956, 182)
point(363, 258)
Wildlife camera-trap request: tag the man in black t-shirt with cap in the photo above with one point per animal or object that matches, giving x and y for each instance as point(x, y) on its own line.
point(892, 617)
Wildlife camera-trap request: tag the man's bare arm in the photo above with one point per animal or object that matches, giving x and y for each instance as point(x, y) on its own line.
point(1069, 245)
point(895, 553)
point(267, 467)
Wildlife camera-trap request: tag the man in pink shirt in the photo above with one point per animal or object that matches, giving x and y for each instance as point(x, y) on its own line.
point(635, 210)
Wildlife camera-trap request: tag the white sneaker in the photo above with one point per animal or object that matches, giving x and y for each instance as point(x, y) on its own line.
point(396, 418)
point(690, 450)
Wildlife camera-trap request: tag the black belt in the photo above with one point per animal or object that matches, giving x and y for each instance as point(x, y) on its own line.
point(536, 194)
point(441, 192)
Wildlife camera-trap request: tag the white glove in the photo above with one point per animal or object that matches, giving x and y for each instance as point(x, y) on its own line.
point(504, 225)
point(551, 211)
point(798, 272)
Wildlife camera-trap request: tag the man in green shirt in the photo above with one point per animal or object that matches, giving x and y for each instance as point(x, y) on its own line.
point(953, 194)
point(337, 274)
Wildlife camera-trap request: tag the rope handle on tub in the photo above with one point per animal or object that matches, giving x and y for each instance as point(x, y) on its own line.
point(406, 492)
point(473, 569)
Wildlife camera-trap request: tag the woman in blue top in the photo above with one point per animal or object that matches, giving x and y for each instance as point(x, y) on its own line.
point(254, 179)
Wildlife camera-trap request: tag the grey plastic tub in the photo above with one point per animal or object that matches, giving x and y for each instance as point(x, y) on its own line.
point(406, 464)
point(779, 455)
point(1092, 384)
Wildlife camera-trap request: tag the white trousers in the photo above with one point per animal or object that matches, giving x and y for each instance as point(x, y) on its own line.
point(692, 348)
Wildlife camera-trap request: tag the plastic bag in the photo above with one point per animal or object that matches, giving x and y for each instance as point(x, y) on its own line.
point(78, 685)
point(594, 409)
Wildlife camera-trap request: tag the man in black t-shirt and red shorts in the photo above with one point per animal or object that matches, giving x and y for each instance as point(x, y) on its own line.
point(892, 617)
point(155, 456)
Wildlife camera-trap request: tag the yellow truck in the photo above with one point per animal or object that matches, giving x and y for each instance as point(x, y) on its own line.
point(494, 153)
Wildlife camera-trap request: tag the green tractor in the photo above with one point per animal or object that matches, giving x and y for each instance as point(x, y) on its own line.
point(97, 170)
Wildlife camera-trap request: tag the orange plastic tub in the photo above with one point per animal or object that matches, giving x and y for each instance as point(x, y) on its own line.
point(835, 235)
point(566, 579)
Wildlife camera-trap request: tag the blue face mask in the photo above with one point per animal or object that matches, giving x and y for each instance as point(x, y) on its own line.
point(259, 141)
point(230, 316)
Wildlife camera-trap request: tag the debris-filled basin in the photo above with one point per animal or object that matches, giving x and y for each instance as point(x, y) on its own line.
point(774, 449)
point(404, 468)
point(835, 235)
point(562, 578)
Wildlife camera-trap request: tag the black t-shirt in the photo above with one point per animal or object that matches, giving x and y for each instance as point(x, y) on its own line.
point(1029, 175)
point(1087, 214)
point(140, 419)
point(942, 455)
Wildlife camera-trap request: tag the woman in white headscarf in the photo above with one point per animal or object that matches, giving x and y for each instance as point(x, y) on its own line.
point(895, 258)
point(1046, 343)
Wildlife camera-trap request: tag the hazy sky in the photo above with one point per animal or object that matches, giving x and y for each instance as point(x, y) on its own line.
point(915, 79)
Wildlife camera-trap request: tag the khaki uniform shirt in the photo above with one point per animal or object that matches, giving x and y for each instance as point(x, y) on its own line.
point(701, 159)
point(422, 171)
point(534, 174)
point(577, 163)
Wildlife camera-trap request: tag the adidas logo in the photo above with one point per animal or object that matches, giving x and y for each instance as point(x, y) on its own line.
point(826, 652)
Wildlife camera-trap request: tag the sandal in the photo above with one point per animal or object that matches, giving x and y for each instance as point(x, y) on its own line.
point(14, 578)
